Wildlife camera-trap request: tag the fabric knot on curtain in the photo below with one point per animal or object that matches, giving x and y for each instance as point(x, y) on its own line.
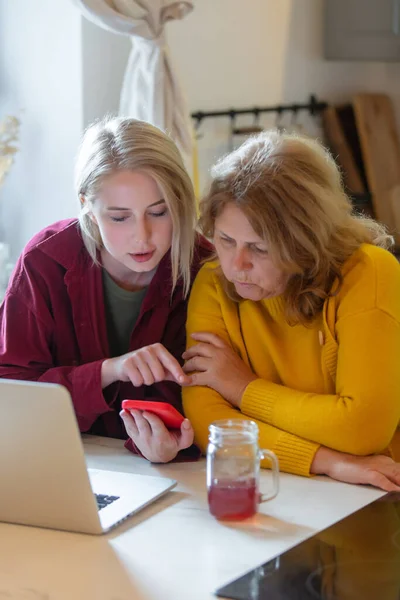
point(150, 90)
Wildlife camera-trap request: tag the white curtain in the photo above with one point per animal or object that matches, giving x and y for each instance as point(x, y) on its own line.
point(150, 90)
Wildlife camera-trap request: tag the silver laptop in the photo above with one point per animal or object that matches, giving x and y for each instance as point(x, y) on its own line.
point(43, 476)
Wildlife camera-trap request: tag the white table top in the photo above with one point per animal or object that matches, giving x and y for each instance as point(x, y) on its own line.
point(172, 550)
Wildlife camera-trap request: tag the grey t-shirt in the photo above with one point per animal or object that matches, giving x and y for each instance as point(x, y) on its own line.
point(122, 311)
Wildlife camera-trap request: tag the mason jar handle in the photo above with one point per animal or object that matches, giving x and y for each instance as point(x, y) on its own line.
point(275, 474)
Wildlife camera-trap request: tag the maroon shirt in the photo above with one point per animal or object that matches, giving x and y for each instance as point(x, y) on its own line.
point(53, 326)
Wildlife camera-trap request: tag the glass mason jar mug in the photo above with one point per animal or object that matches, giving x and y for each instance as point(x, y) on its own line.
point(233, 469)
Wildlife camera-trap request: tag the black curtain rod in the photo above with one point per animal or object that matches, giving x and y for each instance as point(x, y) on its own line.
point(313, 106)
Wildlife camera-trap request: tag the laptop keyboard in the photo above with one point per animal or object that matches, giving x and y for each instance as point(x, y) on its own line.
point(103, 500)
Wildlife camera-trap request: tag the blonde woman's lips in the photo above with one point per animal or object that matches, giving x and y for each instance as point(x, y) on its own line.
point(142, 257)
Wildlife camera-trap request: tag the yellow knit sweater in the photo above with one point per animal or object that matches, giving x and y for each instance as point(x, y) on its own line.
point(335, 383)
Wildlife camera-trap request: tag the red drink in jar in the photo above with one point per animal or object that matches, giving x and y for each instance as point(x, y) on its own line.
point(233, 500)
point(233, 469)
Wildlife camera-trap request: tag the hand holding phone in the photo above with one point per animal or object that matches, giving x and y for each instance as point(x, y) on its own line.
point(160, 432)
point(171, 418)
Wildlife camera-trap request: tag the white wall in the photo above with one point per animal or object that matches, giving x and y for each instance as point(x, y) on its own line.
point(229, 54)
point(40, 80)
point(306, 70)
point(104, 57)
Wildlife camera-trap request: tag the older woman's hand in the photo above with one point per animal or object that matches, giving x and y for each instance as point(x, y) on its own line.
point(377, 470)
point(214, 364)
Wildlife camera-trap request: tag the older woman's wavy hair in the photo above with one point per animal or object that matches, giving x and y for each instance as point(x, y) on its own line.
point(117, 144)
point(291, 192)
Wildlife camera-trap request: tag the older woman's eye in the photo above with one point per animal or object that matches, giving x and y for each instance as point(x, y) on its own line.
point(261, 251)
point(227, 240)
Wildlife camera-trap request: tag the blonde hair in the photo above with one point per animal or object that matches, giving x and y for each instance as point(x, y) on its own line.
point(118, 144)
point(290, 189)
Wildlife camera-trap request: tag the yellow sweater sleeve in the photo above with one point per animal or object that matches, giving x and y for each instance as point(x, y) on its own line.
point(203, 405)
point(362, 416)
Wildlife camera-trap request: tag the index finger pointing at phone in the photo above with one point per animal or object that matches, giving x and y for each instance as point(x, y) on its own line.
point(170, 363)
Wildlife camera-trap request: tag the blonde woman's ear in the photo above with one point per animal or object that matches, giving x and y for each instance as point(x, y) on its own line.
point(87, 209)
point(92, 217)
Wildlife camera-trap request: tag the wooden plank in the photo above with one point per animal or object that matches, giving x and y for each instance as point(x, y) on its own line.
point(345, 113)
point(381, 152)
point(394, 199)
point(340, 148)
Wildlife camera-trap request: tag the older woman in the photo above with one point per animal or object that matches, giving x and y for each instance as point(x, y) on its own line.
point(296, 325)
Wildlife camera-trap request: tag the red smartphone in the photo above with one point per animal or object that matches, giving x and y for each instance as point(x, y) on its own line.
point(171, 418)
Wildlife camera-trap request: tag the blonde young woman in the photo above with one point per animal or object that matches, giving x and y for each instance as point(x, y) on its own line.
point(99, 304)
point(296, 325)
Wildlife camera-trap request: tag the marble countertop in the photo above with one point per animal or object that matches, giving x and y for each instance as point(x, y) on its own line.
point(173, 549)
